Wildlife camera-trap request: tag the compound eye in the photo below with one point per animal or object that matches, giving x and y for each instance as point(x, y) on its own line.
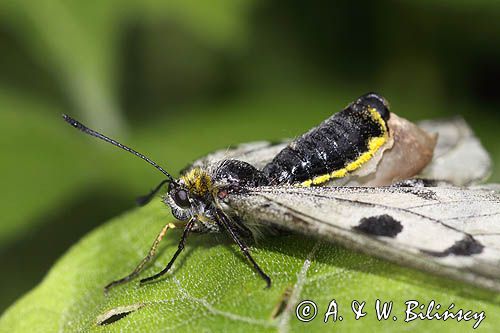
point(181, 198)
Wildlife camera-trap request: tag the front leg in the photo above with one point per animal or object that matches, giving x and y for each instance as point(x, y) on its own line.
point(149, 256)
point(226, 223)
point(180, 247)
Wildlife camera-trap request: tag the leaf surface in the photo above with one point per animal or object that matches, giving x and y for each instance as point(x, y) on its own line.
point(212, 288)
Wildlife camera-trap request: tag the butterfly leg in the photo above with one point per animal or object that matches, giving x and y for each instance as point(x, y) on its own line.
point(149, 256)
point(226, 223)
point(180, 247)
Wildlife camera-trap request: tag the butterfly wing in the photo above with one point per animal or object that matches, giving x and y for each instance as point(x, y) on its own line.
point(449, 231)
point(257, 153)
point(459, 158)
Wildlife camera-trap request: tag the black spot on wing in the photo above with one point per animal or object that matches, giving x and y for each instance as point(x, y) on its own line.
point(382, 225)
point(465, 247)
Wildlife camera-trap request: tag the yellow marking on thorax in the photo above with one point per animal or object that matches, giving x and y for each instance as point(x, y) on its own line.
point(197, 181)
point(373, 145)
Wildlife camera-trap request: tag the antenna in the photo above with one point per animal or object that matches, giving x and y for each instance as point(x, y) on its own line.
point(85, 129)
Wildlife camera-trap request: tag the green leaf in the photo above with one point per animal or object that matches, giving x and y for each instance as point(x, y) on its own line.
point(212, 287)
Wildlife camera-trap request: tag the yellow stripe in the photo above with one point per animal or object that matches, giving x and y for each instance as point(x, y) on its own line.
point(306, 183)
point(373, 145)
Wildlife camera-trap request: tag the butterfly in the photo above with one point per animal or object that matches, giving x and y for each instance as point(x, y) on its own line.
point(365, 178)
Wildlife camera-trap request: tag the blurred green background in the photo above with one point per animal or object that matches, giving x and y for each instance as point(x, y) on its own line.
point(177, 79)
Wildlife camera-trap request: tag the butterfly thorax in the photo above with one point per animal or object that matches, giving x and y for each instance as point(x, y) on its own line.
point(226, 175)
point(198, 182)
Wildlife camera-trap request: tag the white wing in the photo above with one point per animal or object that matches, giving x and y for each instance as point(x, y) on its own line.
point(257, 153)
point(459, 158)
point(448, 231)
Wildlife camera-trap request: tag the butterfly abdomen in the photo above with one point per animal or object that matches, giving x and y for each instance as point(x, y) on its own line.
point(339, 145)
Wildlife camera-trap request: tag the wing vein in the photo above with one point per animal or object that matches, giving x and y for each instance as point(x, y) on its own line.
point(406, 210)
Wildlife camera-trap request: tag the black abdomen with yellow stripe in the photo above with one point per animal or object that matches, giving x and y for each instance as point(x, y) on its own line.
point(339, 145)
